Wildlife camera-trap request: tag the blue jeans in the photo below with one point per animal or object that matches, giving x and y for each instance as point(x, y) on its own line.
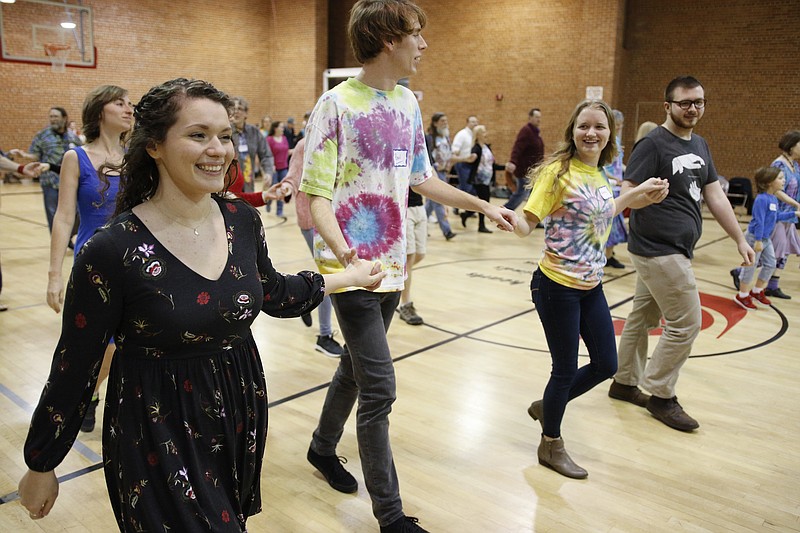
point(462, 169)
point(50, 197)
point(366, 374)
point(324, 309)
point(568, 315)
point(441, 215)
point(766, 258)
point(519, 196)
point(276, 178)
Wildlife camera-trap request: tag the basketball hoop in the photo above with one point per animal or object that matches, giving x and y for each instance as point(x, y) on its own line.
point(57, 53)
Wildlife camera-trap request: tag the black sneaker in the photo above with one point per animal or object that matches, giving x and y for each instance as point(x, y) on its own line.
point(450, 235)
point(306, 318)
point(330, 466)
point(777, 293)
point(89, 420)
point(328, 346)
point(406, 524)
point(613, 262)
point(735, 276)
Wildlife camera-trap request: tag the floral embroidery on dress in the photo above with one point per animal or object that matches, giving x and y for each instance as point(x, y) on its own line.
point(97, 279)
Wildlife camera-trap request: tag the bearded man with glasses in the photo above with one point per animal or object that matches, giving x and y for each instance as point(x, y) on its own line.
point(661, 244)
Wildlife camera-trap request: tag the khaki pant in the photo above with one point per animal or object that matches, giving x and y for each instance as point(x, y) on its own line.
point(665, 287)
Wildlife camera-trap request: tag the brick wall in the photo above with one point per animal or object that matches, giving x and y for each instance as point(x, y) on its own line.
point(744, 53)
point(268, 52)
point(533, 52)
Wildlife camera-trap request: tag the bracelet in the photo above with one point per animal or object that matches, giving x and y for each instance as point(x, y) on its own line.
point(20, 169)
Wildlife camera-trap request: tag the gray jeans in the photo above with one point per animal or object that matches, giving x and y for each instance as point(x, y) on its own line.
point(366, 374)
point(665, 287)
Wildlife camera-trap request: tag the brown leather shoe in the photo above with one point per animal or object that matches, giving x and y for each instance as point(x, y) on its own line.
point(628, 393)
point(553, 455)
point(670, 412)
point(535, 411)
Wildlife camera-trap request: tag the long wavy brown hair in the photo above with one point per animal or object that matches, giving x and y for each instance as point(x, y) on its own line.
point(155, 114)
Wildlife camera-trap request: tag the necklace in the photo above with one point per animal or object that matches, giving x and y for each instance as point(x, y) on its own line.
point(193, 228)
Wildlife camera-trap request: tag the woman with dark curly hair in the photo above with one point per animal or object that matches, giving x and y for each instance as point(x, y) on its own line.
point(177, 278)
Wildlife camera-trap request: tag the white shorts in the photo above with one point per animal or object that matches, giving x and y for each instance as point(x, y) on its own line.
point(416, 230)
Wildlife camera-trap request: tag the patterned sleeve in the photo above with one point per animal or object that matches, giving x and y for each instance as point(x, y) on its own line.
point(421, 169)
point(545, 198)
point(321, 158)
point(92, 311)
point(285, 295)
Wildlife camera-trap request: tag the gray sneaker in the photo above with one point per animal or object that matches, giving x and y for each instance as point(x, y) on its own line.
point(409, 315)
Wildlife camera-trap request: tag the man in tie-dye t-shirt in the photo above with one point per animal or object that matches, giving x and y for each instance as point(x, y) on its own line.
point(365, 146)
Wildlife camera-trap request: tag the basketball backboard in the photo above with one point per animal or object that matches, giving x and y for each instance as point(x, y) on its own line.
point(27, 26)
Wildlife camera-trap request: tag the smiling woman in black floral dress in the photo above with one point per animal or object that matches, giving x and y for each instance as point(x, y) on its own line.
point(177, 278)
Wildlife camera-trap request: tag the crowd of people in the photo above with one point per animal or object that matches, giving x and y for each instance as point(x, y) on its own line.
point(171, 267)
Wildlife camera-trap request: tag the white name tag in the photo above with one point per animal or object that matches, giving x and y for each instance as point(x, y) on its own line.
point(243, 145)
point(773, 207)
point(605, 194)
point(400, 158)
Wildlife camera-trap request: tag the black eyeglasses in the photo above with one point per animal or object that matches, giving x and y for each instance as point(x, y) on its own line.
point(700, 103)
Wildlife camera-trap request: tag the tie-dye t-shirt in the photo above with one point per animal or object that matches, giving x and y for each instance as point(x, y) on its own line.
point(364, 147)
point(581, 208)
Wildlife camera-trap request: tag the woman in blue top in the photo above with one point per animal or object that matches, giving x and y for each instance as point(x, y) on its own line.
point(766, 215)
point(107, 118)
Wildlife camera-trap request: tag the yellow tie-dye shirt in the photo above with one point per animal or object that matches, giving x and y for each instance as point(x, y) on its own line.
point(580, 208)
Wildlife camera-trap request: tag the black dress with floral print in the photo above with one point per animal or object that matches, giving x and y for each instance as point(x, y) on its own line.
point(185, 418)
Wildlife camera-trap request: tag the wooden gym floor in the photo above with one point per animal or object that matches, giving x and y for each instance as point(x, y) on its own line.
point(464, 445)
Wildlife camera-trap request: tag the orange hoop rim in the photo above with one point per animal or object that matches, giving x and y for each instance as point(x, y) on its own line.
point(51, 49)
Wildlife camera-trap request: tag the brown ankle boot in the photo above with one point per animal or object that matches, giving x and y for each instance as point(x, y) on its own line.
point(535, 411)
point(553, 455)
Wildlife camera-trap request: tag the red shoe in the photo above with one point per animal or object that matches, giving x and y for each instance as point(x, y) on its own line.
point(761, 297)
point(746, 302)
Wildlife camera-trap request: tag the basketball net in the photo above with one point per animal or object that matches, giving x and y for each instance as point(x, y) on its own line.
point(57, 53)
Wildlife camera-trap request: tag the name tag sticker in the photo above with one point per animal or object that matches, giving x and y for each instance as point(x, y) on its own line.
point(605, 194)
point(400, 158)
point(773, 207)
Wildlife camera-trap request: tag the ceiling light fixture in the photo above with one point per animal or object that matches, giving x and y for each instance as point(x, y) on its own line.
point(68, 24)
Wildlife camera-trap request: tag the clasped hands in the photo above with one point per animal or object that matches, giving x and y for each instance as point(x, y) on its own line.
point(370, 272)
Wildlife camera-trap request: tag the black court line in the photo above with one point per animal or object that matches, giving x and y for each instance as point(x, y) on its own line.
point(61, 479)
point(455, 336)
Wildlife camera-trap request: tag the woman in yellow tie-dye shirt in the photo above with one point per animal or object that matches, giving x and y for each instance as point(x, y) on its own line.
point(572, 194)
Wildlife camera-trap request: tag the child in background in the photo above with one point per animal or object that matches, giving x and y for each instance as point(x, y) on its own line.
point(769, 180)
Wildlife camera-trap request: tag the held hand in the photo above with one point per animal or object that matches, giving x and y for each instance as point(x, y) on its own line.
point(759, 246)
point(15, 152)
point(471, 158)
point(33, 170)
point(348, 257)
point(511, 167)
point(55, 293)
point(747, 253)
point(366, 274)
point(38, 492)
point(505, 219)
point(654, 190)
point(275, 192)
